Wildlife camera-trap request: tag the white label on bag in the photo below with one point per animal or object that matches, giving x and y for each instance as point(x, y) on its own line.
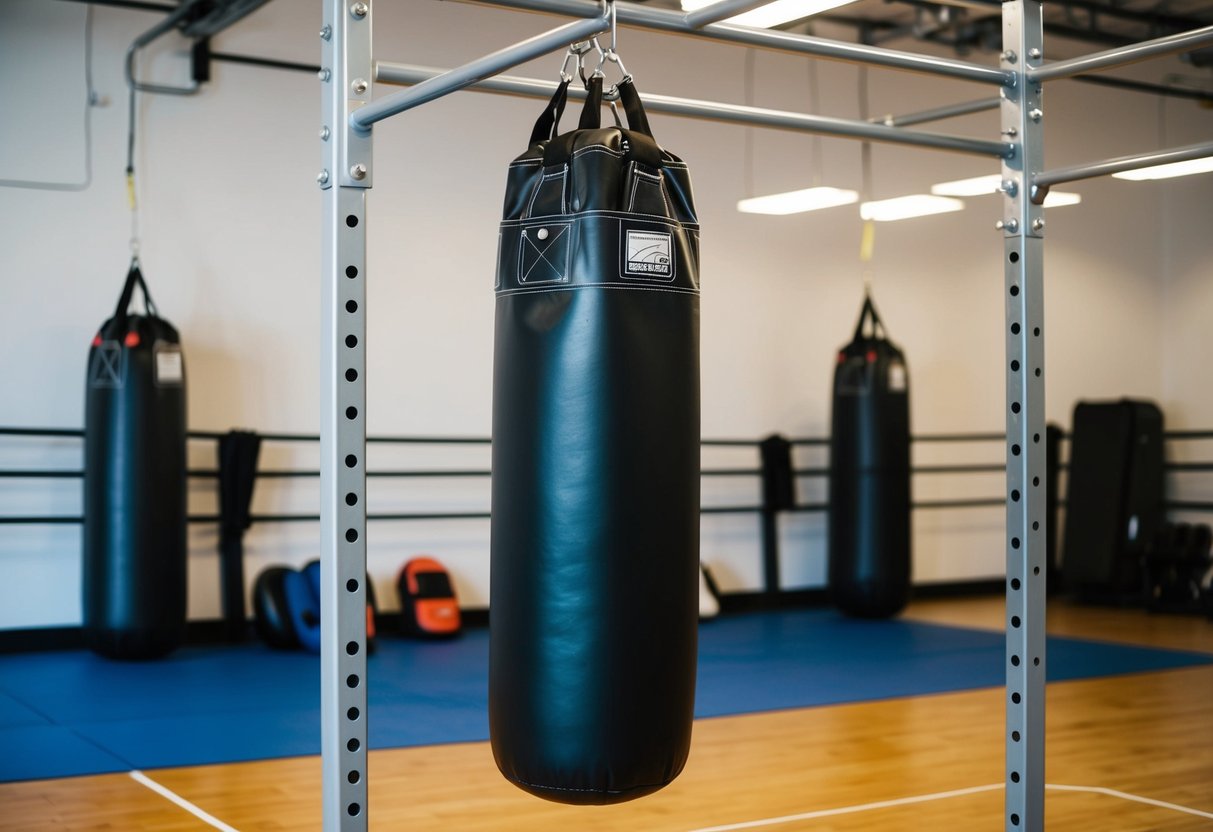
point(649, 254)
point(897, 378)
point(169, 368)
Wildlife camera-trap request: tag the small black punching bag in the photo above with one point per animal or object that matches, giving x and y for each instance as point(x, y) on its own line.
point(134, 484)
point(870, 474)
point(595, 513)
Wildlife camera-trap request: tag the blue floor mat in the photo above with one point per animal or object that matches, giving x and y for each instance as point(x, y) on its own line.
point(67, 713)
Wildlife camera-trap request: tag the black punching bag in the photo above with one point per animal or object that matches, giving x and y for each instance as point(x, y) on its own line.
point(134, 484)
point(870, 474)
point(595, 527)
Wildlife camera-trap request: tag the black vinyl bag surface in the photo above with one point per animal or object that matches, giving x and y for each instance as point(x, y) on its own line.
point(134, 579)
point(869, 528)
point(595, 506)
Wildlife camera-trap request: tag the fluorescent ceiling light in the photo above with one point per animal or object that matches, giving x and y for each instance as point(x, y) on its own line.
point(977, 186)
point(1167, 171)
point(1056, 199)
point(797, 202)
point(907, 207)
point(773, 14)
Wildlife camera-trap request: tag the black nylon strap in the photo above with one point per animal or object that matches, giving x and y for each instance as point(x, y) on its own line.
point(632, 106)
point(128, 290)
point(548, 123)
point(591, 113)
point(869, 313)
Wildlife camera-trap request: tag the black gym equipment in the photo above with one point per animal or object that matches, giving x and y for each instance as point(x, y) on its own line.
point(869, 528)
point(134, 575)
point(286, 608)
point(1114, 499)
point(595, 496)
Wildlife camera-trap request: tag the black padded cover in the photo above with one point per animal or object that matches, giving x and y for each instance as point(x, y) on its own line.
point(869, 529)
point(1113, 499)
point(595, 507)
point(134, 484)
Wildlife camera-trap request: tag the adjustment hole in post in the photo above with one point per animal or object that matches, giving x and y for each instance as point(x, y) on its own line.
point(351, 341)
point(353, 744)
point(1014, 819)
point(1014, 329)
point(352, 649)
point(1015, 543)
point(1036, 662)
point(1036, 332)
point(1035, 482)
point(1015, 661)
point(1016, 698)
point(351, 585)
point(351, 272)
point(351, 220)
point(1013, 257)
point(1035, 570)
point(351, 461)
point(351, 374)
point(1038, 372)
point(351, 306)
point(1015, 777)
point(351, 499)
point(352, 680)
point(1035, 525)
point(1014, 290)
point(1015, 583)
point(1014, 407)
point(353, 777)
point(353, 809)
point(351, 413)
point(351, 535)
point(352, 714)
point(1015, 450)
point(1015, 366)
point(1015, 734)
point(1015, 621)
point(1015, 496)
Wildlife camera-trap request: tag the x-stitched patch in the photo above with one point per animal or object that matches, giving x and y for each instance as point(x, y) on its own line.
point(107, 371)
point(544, 255)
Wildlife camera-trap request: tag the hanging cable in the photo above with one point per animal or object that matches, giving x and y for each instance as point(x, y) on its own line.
point(90, 101)
point(867, 244)
point(815, 157)
point(748, 150)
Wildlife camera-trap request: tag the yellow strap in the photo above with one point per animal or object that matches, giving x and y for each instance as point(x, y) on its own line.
point(868, 242)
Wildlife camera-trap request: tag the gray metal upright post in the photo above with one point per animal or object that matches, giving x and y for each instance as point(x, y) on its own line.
point(345, 175)
point(1023, 230)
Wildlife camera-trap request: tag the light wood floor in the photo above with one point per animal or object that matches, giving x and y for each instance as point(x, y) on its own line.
point(1146, 734)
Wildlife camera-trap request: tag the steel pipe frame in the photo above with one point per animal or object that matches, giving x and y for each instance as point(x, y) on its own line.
point(1041, 182)
point(1182, 42)
point(393, 73)
point(649, 18)
point(480, 69)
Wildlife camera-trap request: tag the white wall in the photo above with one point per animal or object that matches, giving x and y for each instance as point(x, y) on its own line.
point(230, 222)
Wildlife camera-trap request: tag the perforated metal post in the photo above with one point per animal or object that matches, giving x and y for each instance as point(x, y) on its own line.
point(1023, 229)
point(345, 77)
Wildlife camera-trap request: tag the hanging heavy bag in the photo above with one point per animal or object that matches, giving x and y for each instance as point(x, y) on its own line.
point(134, 578)
point(870, 474)
point(595, 506)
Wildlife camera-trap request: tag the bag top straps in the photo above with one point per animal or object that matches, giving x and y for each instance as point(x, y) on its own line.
point(548, 123)
point(591, 113)
point(632, 106)
point(869, 313)
point(135, 275)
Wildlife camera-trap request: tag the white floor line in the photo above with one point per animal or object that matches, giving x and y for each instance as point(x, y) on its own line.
point(846, 810)
point(1133, 797)
point(923, 798)
point(140, 777)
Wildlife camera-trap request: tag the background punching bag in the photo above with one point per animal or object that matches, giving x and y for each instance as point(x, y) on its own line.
point(870, 474)
point(595, 512)
point(134, 484)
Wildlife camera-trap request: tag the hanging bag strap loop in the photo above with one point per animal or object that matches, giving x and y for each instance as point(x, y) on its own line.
point(134, 276)
point(633, 107)
point(548, 123)
point(591, 113)
point(868, 313)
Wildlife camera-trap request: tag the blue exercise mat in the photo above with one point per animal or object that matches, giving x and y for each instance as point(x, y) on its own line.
point(69, 713)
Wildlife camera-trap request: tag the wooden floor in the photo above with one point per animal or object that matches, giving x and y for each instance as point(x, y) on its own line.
point(1149, 735)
